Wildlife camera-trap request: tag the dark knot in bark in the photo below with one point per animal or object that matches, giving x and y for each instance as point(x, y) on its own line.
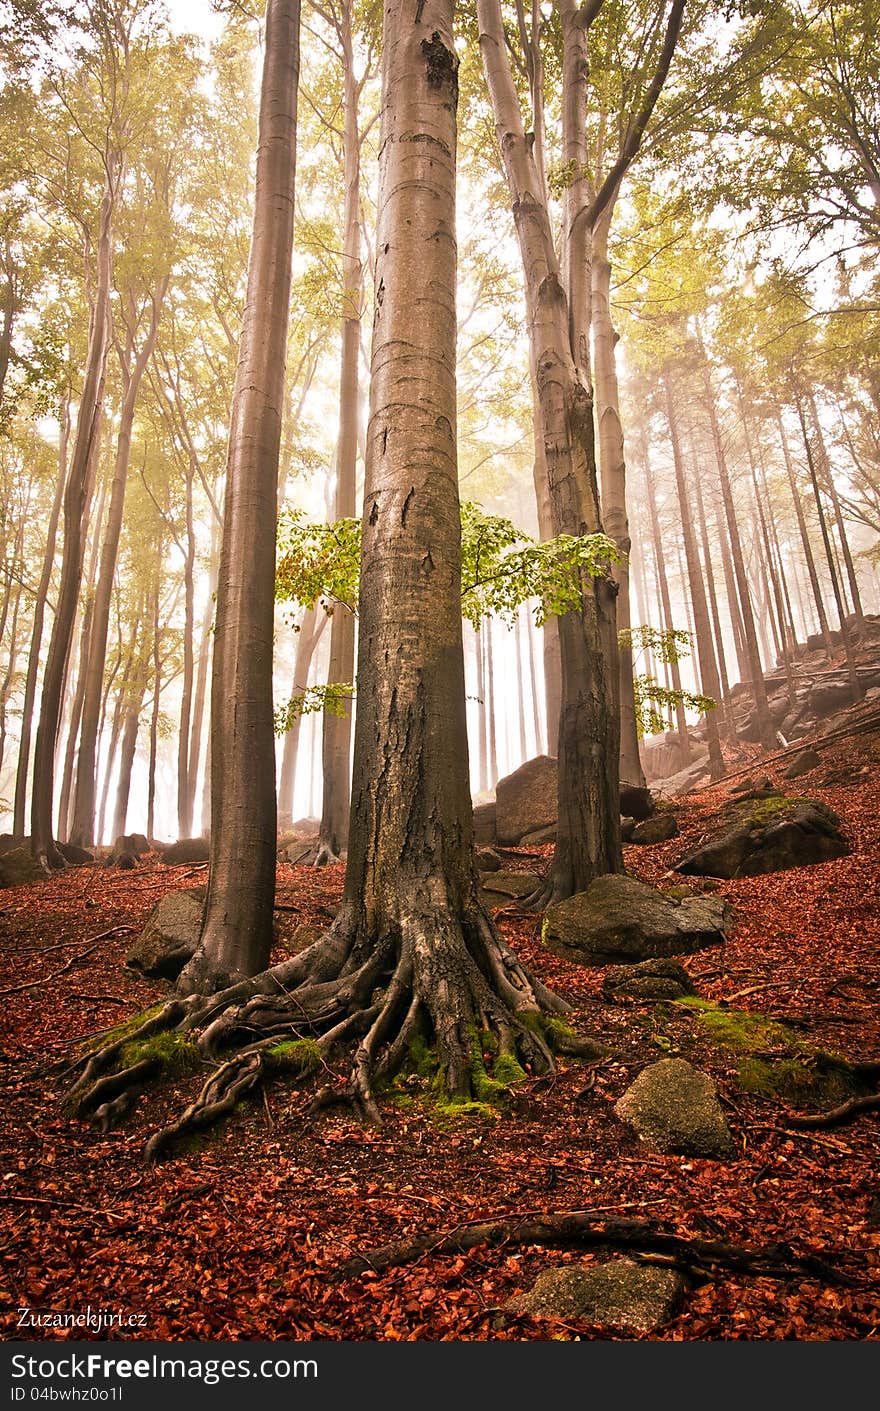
point(441, 64)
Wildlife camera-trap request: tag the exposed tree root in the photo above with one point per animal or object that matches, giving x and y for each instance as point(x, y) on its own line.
point(838, 1116)
point(581, 1229)
point(454, 987)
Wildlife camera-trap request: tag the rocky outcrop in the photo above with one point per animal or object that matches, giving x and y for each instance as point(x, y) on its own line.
point(658, 829)
point(649, 980)
point(754, 837)
point(802, 763)
point(18, 868)
point(619, 919)
point(484, 823)
point(674, 1109)
point(186, 850)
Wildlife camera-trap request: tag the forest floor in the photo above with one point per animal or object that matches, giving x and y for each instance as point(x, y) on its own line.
point(236, 1238)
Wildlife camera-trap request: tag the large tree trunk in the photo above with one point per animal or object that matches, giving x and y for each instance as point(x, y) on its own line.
point(77, 499)
point(588, 829)
point(237, 926)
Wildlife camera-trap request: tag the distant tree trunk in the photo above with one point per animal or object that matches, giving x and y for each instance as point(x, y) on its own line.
point(482, 723)
point(115, 731)
point(129, 743)
point(77, 500)
point(540, 744)
point(311, 629)
point(708, 674)
point(520, 693)
point(154, 716)
point(185, 793)
point(829, 556)
point(66, 791)
point(712, 596)
point(198, 708)
point(336, 748)
point(33, 664)
point(810, 561)
point(237, 926)
point(133, 368)
point(665, 601)
point(828, 477)
point(588, 829)
point(612, 466)
point(750, 639)
point(491, 720)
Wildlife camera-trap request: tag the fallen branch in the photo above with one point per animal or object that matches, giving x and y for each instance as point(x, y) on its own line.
point(580, 1228)
point(74, 960)
point(838, 1116)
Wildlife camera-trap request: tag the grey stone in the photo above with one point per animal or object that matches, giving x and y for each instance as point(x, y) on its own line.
point(488, 860)
point(649, 980)
point(526, 800)
point(753, 838)
point(170, 936)
point(802, 764)
point(619, 919)
point(674, 1109)
point(74, 855)
point(540, 837)
point(186, 850)
point(620, 1294)
point(636, 801)
point(484, 823)
point(511, 884)
point(658, 829)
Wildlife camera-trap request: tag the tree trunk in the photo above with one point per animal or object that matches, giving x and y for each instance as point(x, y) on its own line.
point(612, 468)
point(237, 926)
point(336, 744)
point(540, 743)
point(154, 717)
point(708, 677)
point(185, 794)
point(810, 561)
point(828, 477)
point(668, 622)
point(83, 821)
point(750, 639)
point(311, 629)
point(482, 733)
point(588, 829)
point(77, 500)
point(491, 720)
point(30, 683)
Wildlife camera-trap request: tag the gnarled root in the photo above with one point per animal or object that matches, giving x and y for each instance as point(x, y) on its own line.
point(455, 985)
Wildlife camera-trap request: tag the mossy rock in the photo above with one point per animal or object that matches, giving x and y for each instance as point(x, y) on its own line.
point(768, 834)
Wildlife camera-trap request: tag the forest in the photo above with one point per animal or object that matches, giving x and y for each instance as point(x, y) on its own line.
point(440, 670)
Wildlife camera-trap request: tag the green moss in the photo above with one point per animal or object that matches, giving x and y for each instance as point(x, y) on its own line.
point(549, 1026)
point(507, 1070)
point(740, 1029)
point(766, 811)
point(823, 1081)
point(175, 1053)
point(128, 1026)
point(293, 1056)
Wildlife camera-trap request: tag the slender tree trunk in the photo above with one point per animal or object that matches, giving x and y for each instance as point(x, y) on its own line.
point(77, 500)
point(828, 477)
point(33, 666)
point(810, 561)
point(491, 718)
point(520, 694)
point(665, 601)
point(311, 629)
point(66, 791)
point(612, 467)
point(712, 596)
point(115, 731)
point(336, 747)
point(482, 720)
point(83, 821)
point(237, 926)
point(540, 743)
point(750, 639)
point(829, 557)
point(708, 675)
point(154, 717)
point(198, 709)
point(185, 798)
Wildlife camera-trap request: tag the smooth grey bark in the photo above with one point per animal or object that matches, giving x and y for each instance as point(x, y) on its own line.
point(236, 935)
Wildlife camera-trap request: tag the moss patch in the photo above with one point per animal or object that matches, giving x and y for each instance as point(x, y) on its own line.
point(802, 1074)
point(293, 1056)
point(174, 1052)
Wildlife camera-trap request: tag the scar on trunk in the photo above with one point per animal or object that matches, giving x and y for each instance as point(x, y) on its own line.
point(405, 511)
point(441, 64)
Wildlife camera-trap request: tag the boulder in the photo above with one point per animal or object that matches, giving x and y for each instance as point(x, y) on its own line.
point(674, 1109)
point(74, 855)
point(9, 842)
point(186, 850)
point(540, 837)
point(802, 764)
point(526, 800)
point(19, 869)
point(627, 828)
point(830, 694)
point(768, 835)
point(488, 860)
point(648, 980)
point(511, 884)
point(636, 802)
point(658, 829)
point(484, 823)
point(619, 919)
point(170, 936)
point(620, 1294)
